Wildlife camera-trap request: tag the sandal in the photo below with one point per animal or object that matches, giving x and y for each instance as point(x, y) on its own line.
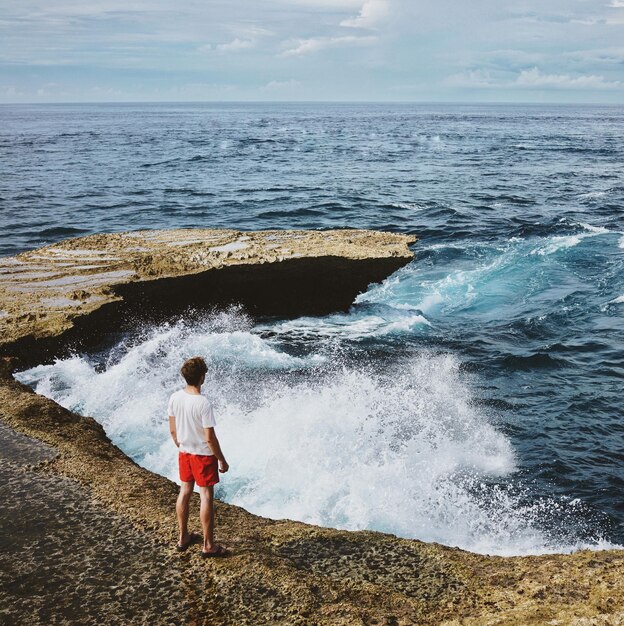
point(193, 537)
point(217, 552)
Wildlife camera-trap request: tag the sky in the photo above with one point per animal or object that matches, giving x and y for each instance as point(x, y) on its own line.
point(312, 50)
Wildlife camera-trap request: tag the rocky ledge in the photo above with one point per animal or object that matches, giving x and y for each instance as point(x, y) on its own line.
point(72, 294)
point(87, 535)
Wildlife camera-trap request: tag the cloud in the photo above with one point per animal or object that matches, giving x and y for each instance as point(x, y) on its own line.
point(505, 59)
point(492, 47)
point(532, 79)
point(535, 78)
point(535, 17)
point(236, 45)
point(473, 79)
point(249, 31)
point(612, 56)
point(299, 47)
point(246, 38)
point(371, 13)
point(106, 92)
point(279, 85)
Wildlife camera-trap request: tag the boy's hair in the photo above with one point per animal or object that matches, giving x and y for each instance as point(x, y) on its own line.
point(193, 370)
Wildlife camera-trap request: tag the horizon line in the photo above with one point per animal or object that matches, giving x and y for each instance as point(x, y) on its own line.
point(445, 102)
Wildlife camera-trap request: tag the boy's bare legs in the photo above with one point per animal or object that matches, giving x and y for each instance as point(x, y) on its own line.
point(182, 511)
point(206, 515)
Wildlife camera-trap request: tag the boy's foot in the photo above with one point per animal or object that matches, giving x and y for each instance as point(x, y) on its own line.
point(216, 551)
point(192, 538)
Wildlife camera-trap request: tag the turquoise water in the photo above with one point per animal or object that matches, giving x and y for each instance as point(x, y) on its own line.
point(474, 398)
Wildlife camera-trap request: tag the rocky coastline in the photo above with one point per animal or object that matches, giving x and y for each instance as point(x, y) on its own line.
point(88, 535)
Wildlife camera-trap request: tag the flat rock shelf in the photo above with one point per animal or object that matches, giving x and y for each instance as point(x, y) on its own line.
point(71, 293)
point(88, 536)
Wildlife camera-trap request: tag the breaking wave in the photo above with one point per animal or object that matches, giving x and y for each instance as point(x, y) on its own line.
point(326, 439)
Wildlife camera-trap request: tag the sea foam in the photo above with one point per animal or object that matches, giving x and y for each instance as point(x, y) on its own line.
point(401, 448)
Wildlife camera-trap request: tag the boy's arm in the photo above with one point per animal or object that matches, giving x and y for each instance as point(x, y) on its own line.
point(172, 430)
point(213, 442)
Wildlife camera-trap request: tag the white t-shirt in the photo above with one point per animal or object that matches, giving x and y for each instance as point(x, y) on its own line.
point(192, 414)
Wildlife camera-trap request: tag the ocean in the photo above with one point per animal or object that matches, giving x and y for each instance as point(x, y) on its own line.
point(474, 398)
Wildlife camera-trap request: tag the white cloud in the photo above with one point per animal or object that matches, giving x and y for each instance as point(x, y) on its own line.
point(371, 13)
point(299, 47)
point(246, 38)
point(535, 78)
point(473, 79)
point(106, 92)
point(532, 79)
point(246, 31)
point(203, 88)
point(235, 45)
point(279, 85)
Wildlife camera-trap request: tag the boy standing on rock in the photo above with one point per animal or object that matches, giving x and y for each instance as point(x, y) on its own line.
point(191, 423)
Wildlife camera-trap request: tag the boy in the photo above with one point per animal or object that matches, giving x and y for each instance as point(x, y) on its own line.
point(191, 423)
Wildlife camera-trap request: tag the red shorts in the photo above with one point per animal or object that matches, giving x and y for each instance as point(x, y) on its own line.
point(204, 470)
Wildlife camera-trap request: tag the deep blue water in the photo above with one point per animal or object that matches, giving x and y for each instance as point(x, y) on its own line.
point(513, 307)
